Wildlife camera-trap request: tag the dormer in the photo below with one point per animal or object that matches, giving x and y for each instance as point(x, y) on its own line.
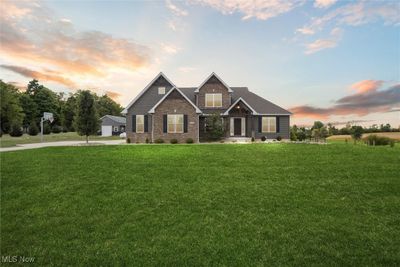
point(213, 93)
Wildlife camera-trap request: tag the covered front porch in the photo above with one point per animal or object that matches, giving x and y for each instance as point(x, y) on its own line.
point(238, 122)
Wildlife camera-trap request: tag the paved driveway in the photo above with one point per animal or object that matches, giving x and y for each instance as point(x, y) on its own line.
point(61, 143)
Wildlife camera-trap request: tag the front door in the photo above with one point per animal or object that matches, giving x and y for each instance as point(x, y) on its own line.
point(237, 126)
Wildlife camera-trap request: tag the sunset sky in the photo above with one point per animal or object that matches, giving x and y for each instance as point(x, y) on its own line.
point(335, 61)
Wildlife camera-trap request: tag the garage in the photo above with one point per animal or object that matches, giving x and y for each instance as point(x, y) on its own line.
point(106, 130)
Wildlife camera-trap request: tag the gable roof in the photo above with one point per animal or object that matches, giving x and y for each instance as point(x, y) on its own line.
point(237, 101)
point(218, 78)
point(117, 119)
point(152, 110)
point(259, 104)
point(125, 111)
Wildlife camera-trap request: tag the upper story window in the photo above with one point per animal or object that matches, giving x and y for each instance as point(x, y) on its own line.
point(140, 123)
point(269, 124)
point(175, 123)
point(161, 90)
point(213, 100)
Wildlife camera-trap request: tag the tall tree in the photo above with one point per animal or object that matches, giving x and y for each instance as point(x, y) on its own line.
point(69, 112)
point(107, 106)
point(86, 118)
point(11, 111)
point(30, 110)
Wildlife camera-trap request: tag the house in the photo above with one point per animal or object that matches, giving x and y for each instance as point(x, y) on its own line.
point(165, 111)
point(112, 125)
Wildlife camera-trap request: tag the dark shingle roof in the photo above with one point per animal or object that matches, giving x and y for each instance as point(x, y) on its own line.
point(259, 104)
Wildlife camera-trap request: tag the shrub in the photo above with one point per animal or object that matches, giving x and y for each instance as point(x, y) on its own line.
point(159, 141)
point(173, 141)
point(46, 128)
point(189, 141)
point(56, 129)
point(16, 130)
point(377, 140)
point(64, 129)
point(33, 129)
point(263, 138)
point(147, 140)
point(252, 139)
point(128, 140)
point(279, 138)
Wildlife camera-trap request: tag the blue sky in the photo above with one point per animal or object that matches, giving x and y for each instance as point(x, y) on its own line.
point(306, 56)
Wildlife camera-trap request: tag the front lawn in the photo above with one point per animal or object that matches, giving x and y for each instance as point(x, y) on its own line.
point(231, 205)
point(8, 141)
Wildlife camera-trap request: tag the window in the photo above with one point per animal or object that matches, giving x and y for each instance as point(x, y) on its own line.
point(213, 100)
point(115, 128)
point(161, 90)
point(139, 123)
point(175, 123)
point(269, 124)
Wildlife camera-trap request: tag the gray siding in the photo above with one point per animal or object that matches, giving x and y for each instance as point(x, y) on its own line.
point(146, 102)
point(284, 129)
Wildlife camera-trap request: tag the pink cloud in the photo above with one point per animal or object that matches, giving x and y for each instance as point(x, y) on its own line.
point(366, 86)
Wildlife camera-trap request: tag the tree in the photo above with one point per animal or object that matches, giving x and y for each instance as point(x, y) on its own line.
point(215, 128)
point(30, 110)
point(69, 113)
point(86, 119)
point(356, 133)
point(11, 111)
point(293, 133)
point(317, 125)
point(301, 134)
point(106, 106)
point(33, 128)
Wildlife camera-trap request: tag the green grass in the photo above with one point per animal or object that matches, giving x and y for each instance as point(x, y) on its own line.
point(231, 205)
point(8, 141)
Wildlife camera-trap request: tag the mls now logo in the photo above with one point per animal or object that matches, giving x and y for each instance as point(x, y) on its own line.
point(16, 258)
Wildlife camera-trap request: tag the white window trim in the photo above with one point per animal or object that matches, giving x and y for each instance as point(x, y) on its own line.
point(115, 128)
point(161, 90)
point(175, 116)
point(139, 123)
point(213, 100)
point(269, 125)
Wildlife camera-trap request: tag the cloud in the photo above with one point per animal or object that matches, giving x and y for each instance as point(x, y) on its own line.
point(56, 42)
point(261, 10)
point(360, 104)
point(175, 9)
point(321, 44)
point(113, 95)
point(355, 14)
point(50, 76)
point(169, 48)
point(65, 20)
point(366, 86)
point(324, 3)
point(186, 69)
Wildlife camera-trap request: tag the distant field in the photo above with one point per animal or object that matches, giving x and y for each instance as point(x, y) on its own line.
point(203, 205)
point(7, 141)
point(393, 135)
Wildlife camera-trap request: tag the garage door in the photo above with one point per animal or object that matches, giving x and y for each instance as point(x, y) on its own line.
point(106, 130)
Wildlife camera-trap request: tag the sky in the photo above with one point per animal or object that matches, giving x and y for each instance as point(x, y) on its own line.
point(328, 60)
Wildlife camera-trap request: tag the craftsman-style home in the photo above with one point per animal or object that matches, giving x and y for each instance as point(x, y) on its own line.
point(165, 111)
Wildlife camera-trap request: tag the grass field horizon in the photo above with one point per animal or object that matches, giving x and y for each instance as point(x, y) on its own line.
point(230, 205)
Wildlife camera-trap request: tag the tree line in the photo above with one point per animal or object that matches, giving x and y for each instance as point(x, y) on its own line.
point(321, 131)
point(21, 110)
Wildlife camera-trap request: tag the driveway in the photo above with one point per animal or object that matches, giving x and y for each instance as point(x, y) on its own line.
point(61, 143)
